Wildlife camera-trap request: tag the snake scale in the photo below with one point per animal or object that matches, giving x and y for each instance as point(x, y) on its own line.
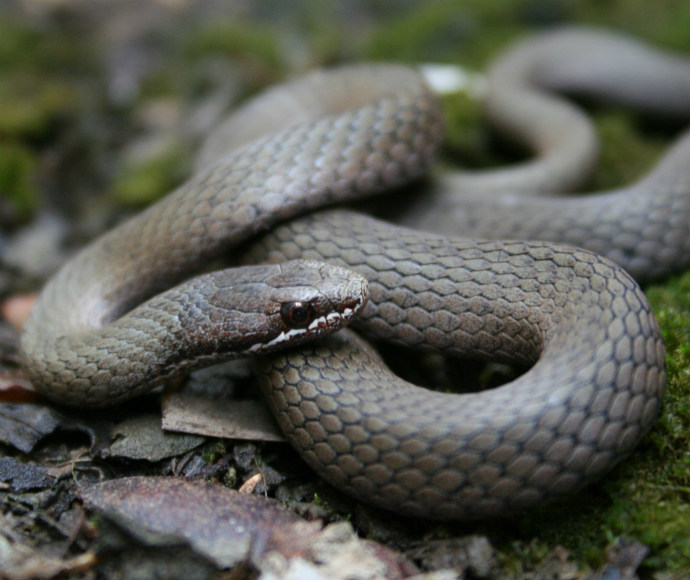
point(581, 322)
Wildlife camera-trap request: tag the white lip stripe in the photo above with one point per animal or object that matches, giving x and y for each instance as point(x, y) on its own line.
point(287, 335)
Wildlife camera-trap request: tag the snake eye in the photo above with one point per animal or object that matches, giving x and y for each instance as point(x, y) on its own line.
point(296, 314)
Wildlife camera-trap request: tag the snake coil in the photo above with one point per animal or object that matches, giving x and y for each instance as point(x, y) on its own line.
point(597, 359)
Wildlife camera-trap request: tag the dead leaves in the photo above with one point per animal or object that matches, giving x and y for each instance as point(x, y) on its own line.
point(227, 526)
point(231, 528)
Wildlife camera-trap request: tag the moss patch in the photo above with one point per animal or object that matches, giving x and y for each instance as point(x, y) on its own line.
point(17, 173)
point(257, 47)
point(142, 182)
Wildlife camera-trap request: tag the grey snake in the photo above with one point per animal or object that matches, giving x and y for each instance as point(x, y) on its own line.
point(108, 327)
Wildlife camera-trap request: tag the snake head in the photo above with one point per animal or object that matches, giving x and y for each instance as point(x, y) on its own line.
point(310, 299)
point(267, 307)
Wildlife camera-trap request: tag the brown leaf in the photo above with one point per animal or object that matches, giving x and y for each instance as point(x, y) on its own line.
point(15, 388)
point(21, 562)
point(248, 419)
point(221, 523)
point(22, 426)
point(142, 438)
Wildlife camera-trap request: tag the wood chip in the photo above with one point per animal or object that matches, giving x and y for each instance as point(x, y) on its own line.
point(249, 419)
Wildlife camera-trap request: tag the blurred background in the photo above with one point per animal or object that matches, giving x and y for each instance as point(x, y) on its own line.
point(105, 100)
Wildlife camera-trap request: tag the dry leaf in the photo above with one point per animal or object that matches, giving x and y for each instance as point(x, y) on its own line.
point(225, 525)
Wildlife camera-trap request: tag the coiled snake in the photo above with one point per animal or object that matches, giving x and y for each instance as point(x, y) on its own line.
point(598, 369)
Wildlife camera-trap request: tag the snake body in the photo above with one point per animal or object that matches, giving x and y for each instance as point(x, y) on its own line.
point(523, 104)
point(583, 323)
point(85, 343)
point(643, 227)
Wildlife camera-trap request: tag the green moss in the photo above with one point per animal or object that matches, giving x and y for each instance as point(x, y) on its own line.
point(626, 152)
point(30, 106)
point(252, 42)
point(660, 524)
point(664, 496)
point(420, 33)
point(465, 131)
point(27, 45)
point(667, 25)
point(17, 173)
point(142, 182)
point(16, 40)
point(213, 451)
point(325, 39)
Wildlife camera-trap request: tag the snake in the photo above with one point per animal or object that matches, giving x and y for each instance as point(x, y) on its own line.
point(129, 312)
